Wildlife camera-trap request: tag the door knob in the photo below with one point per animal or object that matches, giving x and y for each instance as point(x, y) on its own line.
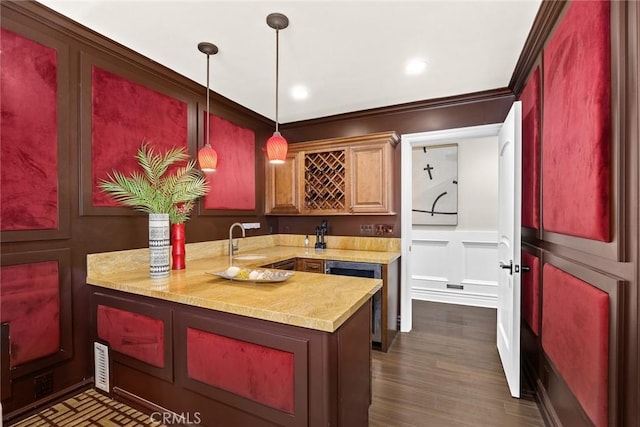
point(507, 267)
point(526, 268)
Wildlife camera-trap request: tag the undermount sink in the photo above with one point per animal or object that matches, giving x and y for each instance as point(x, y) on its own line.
point(248, 257)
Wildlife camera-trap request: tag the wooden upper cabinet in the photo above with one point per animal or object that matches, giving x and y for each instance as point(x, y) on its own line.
point(282, 186)
point(338, 176)
point(371, 191)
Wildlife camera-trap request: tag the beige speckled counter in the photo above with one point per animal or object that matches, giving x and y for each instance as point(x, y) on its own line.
point(315, 301)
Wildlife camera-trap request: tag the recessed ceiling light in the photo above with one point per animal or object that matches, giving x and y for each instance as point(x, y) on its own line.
point(415, 66)
point(299, 92)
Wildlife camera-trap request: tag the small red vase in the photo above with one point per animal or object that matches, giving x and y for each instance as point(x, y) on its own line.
point(177, 246)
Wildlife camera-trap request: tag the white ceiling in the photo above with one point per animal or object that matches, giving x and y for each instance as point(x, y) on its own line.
point(349, 54)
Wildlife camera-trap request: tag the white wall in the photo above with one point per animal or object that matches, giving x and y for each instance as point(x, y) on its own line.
point(477, 186)
point(444, 258)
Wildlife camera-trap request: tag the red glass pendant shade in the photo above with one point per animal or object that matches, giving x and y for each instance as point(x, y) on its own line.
point(208, 159)
point(277, 148)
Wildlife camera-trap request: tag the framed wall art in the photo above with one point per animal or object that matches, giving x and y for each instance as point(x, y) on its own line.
point(435, 185)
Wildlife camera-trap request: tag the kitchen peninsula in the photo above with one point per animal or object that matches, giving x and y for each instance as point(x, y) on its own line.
point(292, 353)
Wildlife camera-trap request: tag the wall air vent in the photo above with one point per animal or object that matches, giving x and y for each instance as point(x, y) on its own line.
point(101, 364)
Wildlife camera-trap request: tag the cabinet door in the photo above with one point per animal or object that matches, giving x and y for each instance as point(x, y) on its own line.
point(370, 169)
point(287, 264)
point(282, 190)
point(310, 265)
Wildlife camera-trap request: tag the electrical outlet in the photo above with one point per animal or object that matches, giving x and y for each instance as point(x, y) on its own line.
point(43, 384)
point(383, 229)
point(366, 229)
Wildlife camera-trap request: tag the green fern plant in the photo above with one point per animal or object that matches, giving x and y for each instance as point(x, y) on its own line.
point(152, 190)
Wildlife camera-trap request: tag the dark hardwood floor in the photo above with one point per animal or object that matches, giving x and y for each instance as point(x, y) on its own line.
point(446, 372)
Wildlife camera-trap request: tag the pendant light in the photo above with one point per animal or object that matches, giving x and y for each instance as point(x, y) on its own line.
point(277, 145)
point(207, 156)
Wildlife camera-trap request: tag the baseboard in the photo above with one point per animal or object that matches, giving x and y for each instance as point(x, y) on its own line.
point(39, 405)
point(143, 405)
point(547, 412)
point(455, 297)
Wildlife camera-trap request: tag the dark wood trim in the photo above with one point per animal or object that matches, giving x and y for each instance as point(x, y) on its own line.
point(631, 214)
point(547, 411)
point(137, 402)
point(543, 25)
point(63, 257)
point(5, 382)
point(147, 308)
point(64, 147)
point(560, 406)
point(411, 107)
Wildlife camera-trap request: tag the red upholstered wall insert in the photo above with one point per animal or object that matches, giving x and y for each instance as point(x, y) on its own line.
point(124, 114)
point(257, 372)
point(30, 303)
point(531, 151)
point(233, 184)
point(531, 292)
point(575, 336)
point(577, 123)
point(29, 137)
point(135, 335)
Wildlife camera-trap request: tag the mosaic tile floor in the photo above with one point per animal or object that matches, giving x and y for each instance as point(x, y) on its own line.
point(88, 408)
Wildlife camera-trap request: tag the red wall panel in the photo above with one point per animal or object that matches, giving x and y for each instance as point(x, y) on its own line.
point(577, 123)
point(260, 373)
point(30, 303)
point(531, 151)
point(29, 137)
point(137, 336)
point(575, 336)
point(233, 184)
point(124, 114)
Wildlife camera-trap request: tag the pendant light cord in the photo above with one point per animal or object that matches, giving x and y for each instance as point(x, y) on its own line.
point(277, 71)
point(207, 118)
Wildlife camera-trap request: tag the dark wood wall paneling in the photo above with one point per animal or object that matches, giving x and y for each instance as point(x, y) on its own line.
point(612, 267)
point(87, 229)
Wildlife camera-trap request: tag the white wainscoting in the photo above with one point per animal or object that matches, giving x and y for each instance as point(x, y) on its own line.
point(466, 261)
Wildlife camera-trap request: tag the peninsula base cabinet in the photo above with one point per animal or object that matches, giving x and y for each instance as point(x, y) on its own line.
point(220, 369)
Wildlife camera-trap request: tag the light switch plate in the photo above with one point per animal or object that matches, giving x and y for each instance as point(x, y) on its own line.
point(366, 229)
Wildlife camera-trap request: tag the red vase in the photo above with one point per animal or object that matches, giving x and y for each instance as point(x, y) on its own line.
point(177, 246)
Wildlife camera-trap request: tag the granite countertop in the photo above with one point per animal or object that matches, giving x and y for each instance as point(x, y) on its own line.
point(309, 300)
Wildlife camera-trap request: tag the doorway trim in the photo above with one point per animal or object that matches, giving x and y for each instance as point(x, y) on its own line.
point(407, 142)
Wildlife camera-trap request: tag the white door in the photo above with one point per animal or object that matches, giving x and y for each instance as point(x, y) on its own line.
point(509, 198)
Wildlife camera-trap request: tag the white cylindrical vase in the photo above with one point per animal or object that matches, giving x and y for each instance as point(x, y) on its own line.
point(159, 245)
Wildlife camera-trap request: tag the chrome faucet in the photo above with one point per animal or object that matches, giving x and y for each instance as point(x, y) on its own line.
point(232, 247)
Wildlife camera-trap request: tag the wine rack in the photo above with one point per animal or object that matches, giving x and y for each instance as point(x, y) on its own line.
point(325, 180)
